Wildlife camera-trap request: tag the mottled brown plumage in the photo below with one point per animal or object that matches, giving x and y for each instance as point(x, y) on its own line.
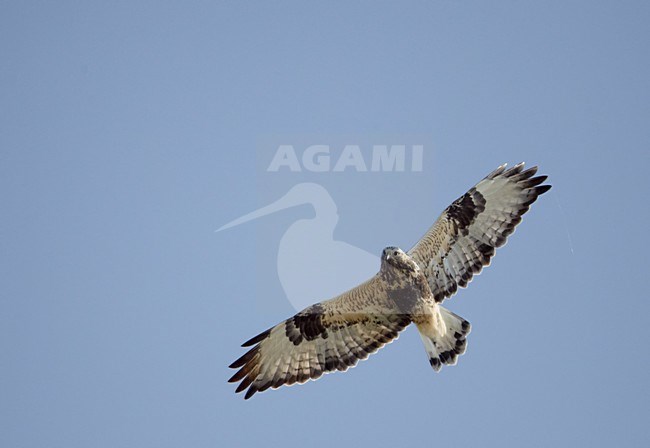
point(335, 334)
point(466, 235)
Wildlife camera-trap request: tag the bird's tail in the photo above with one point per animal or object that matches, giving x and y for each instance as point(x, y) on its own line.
point(444, 338)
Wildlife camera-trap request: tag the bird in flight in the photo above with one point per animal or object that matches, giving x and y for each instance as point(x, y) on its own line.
point(409, 288)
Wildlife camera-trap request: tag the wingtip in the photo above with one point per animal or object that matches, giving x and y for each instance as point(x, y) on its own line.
point(529, 172)
point(259, 338)
point(245, 358)
point(514, 170)
point(237, 376)
point(500, 169)
point(250, 392)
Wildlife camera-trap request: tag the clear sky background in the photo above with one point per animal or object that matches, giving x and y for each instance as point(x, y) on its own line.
point(129, 132)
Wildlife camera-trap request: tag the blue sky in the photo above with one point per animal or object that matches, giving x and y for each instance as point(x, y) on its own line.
point(130, 131)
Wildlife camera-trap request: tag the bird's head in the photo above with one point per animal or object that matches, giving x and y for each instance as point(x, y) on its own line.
point(404, 280)
point(396, 258)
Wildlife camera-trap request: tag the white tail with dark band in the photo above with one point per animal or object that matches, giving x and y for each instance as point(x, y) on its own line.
point(445, 339)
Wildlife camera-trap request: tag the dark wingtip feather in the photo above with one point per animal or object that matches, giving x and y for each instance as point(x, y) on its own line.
point(259, 338)
point(244, 384)
point(244, 358)
point(533, 182)
point(530, 172)
point(250, 392)
point(236, 364)
point(542, 189)
point(497, 172)
point(514, 170)
point(245, 370)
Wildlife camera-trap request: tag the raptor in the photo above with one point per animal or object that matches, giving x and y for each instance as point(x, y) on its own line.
point(409, 288)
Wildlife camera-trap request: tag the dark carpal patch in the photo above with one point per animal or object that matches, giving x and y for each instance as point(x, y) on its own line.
point(466, 208)
point(307, 325)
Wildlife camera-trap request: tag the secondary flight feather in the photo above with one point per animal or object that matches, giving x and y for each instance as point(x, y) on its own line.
point(335, 334)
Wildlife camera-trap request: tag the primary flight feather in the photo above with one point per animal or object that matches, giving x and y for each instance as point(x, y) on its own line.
point(409, 287)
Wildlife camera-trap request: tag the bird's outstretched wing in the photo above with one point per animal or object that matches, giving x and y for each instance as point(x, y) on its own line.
point(325, 337)
point(464, 238)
